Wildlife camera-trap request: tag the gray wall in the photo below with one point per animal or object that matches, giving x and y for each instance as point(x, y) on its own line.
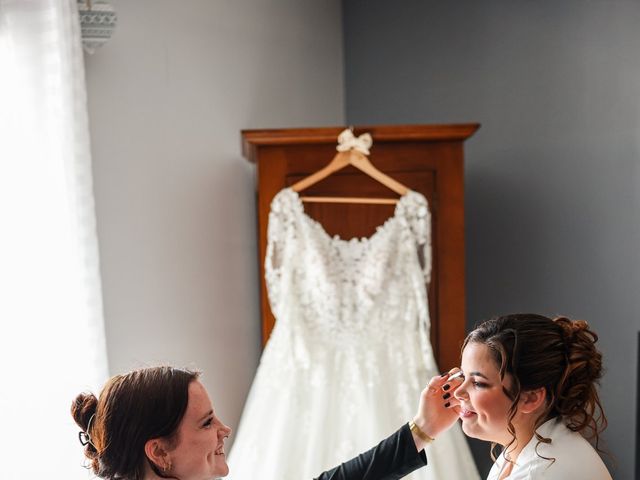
point(168, 96)
point(552, 176)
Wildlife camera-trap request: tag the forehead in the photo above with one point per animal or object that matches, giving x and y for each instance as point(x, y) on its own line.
point(199, 402)
point(478, 357)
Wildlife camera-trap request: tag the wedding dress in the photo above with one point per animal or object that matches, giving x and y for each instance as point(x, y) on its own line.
point(350, 351)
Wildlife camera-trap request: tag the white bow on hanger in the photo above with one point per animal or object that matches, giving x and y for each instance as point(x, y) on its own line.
point(352, 151)
point(348, 141)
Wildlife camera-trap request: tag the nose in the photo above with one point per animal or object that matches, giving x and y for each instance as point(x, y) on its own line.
point(461, 392)
point(225, 431)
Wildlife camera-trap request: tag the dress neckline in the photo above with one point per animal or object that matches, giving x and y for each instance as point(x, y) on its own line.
point(299, 207)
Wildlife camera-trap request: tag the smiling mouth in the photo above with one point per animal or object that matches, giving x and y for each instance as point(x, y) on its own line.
point(220, 451)
point(464, 413)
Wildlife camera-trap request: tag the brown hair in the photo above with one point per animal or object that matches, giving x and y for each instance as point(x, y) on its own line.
point(133, 408)
point(558, 355)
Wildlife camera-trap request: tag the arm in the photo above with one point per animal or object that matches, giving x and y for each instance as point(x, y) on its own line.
point(402, 452)
point(393, 458)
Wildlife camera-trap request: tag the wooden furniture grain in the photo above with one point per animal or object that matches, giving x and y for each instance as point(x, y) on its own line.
point(426, 158)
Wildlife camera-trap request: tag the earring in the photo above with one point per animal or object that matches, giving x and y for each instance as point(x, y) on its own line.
point(167, 467)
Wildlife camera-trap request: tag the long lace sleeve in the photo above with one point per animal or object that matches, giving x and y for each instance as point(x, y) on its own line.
point(274, 258)
point(416, 211)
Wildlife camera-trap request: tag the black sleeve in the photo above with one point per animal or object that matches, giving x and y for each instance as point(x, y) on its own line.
point(393, 458)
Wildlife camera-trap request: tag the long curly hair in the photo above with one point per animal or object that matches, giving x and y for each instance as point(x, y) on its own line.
point(558, 355)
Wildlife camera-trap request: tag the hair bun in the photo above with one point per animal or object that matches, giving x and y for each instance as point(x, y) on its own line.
point(83, 408)
point(572, 329)
point(584, 364)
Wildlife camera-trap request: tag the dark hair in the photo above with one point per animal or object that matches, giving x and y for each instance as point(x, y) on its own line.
point(558, 355)
point(132, 408)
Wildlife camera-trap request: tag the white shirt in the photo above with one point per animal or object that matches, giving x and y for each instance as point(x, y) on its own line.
point(574, 457)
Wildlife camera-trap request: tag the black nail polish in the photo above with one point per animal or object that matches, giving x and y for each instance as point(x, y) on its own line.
point(446, 387)
point(447, 405)
point(446, 395)
point(444, 374)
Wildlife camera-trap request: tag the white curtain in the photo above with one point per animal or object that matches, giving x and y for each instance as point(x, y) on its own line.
point(52, 342)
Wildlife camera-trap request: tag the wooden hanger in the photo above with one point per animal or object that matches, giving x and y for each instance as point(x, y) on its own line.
point(351, 151)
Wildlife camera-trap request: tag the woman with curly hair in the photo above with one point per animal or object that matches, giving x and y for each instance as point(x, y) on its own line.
point(529, 385)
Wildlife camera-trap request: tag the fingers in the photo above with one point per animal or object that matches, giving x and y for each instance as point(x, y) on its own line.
point(444, 385)
point(454, 379)
point(439, 380)
point(450, 401)
point(436, 383)
point(438, 409)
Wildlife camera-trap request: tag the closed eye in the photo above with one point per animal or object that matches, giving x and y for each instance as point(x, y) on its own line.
point(208, 422)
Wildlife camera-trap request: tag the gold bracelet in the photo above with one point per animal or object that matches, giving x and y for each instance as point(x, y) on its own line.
point(416, 429)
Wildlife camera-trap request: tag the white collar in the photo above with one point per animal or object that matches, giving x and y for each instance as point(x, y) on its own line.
point(552, 428)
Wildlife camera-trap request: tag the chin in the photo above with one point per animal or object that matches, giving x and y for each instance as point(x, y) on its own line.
point(472, 432)
point(468, 431)
point(222, 470)
point(480, 434)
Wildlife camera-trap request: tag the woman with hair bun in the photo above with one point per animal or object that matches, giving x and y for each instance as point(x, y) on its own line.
point(159, 422)
point(529, 385)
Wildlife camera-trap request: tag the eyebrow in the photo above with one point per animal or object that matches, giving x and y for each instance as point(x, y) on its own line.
point(478, 374)
point(207, 415)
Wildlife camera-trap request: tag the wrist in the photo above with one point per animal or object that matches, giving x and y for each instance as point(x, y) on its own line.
point(424, 427)
point(420, 438)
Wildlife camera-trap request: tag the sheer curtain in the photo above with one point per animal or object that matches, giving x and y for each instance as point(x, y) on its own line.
point(52, 342)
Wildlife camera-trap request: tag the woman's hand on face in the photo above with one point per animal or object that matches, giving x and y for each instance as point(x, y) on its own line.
point(438, 409)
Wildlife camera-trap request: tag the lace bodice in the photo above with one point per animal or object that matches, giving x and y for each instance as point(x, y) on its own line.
point(339, 287)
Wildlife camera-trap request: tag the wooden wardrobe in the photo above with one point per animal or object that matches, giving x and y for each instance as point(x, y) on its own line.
point(425, 158)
